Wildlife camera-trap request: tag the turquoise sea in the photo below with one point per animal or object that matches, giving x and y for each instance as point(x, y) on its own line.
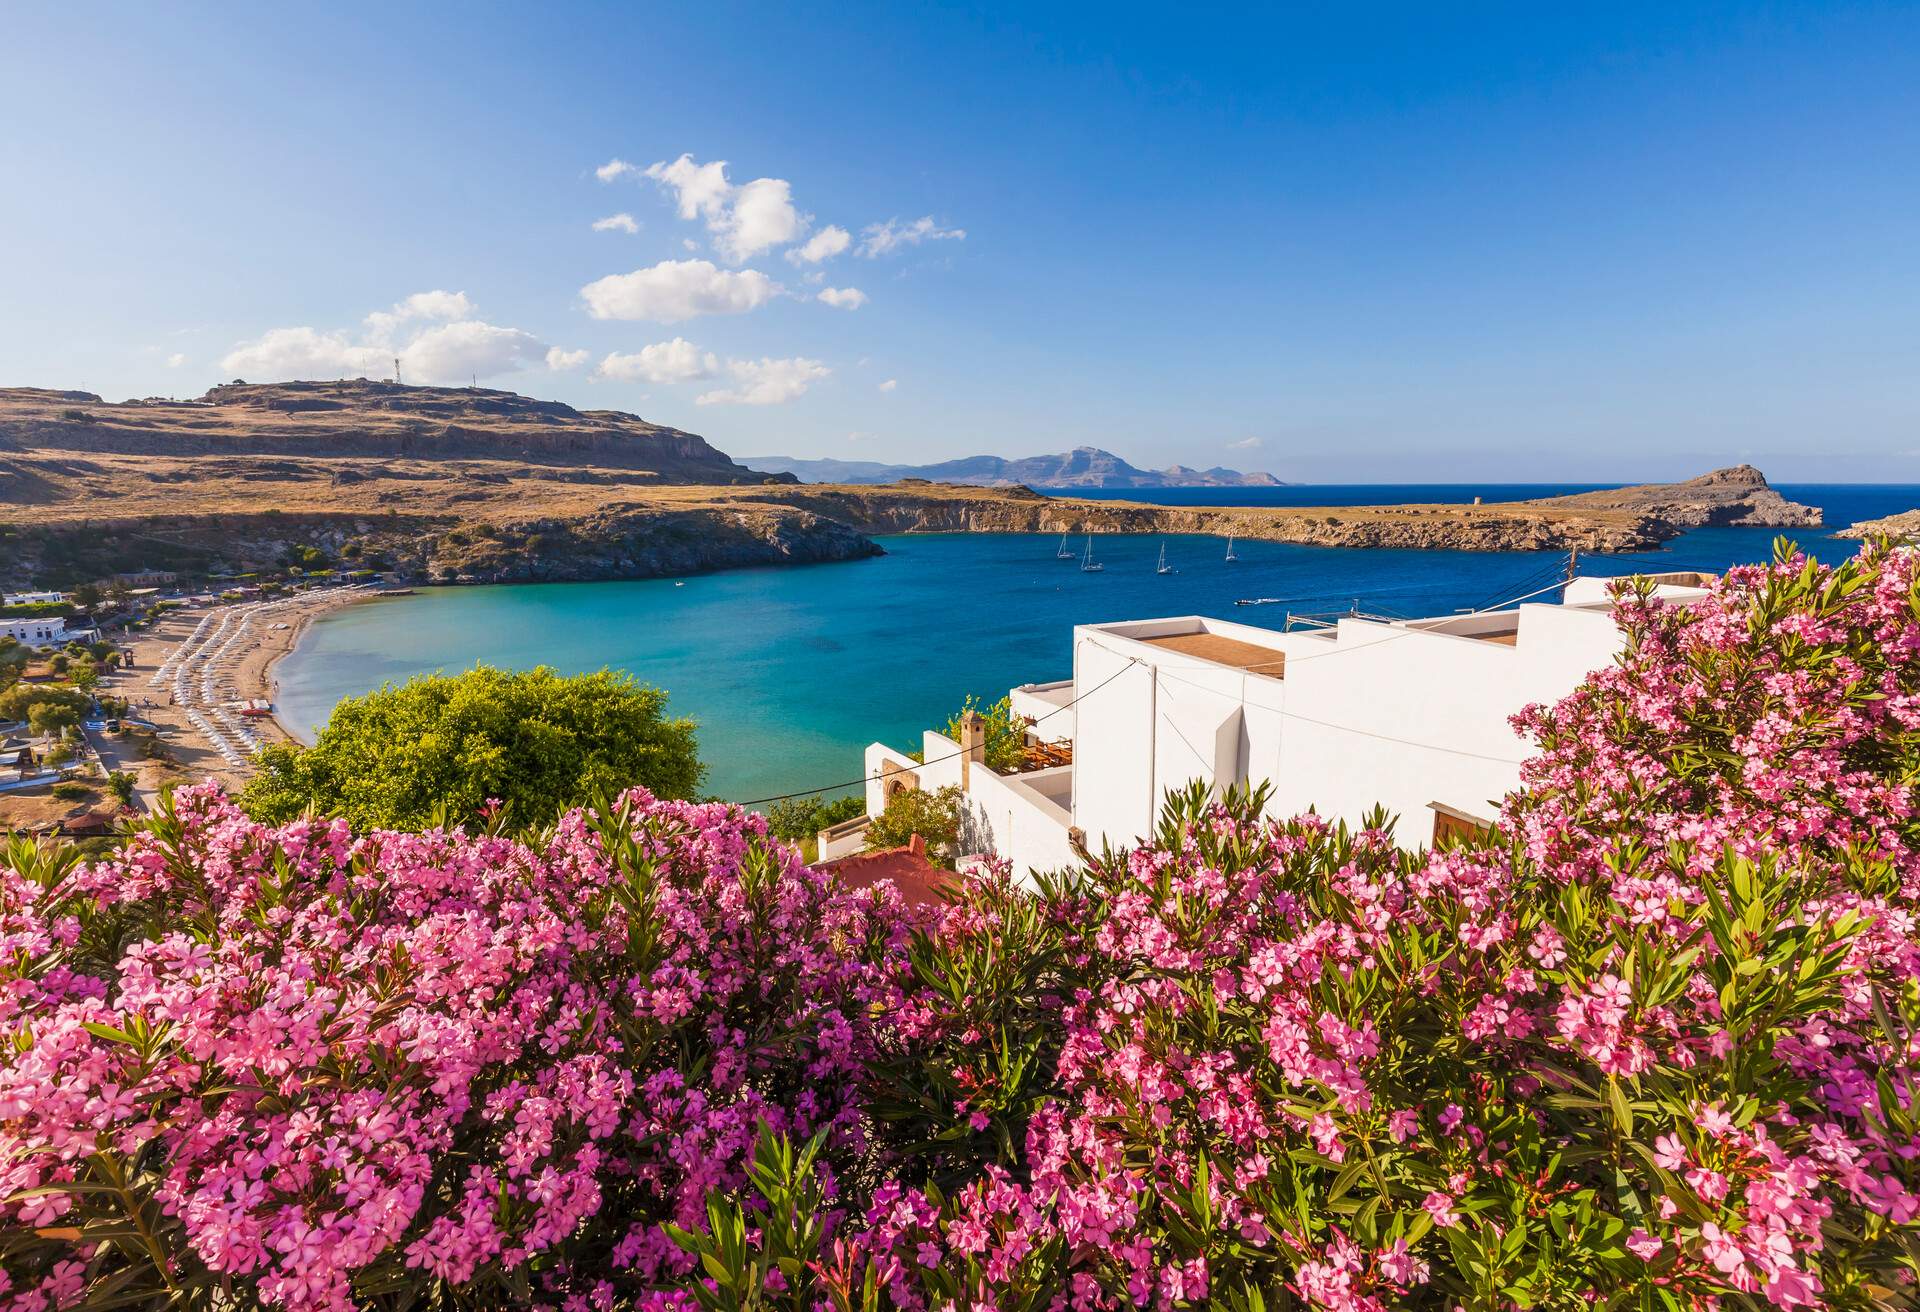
point(791, 671)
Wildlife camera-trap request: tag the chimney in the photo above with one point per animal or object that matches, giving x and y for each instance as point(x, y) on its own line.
point(917, 845)
point(973, 745)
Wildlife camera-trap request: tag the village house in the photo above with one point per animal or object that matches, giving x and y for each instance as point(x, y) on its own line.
point(36, 632)
point(32, 598)
point(1411, 715)
point(145, 578)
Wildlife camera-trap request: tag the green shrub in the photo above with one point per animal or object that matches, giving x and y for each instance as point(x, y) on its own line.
point(800, 818)
point(443, 746)
point(934, 816)
point(1006, 733)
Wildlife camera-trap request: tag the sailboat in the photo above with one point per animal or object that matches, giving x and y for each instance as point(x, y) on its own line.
point(1089, 565)
point(1063, 553)
point(1230, 555)
point(1163, 567)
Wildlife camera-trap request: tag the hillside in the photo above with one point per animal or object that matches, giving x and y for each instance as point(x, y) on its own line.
point(360, 418)
point(1085, 466)
point(448, 485)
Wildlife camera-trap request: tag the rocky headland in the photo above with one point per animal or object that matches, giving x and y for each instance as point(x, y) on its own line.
point(1903, 527)
point(1738, 495)
point(473, 485)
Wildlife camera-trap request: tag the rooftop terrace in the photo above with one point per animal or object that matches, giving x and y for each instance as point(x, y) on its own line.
point(1225, 651)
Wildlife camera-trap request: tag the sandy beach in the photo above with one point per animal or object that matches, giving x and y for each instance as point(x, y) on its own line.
point(250, 674)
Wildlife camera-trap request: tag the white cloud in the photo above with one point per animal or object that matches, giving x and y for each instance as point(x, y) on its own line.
point(762, 216)
point(890, 384)
point(823, 245)
point(689, 243)
point(621, 222)
point(562, 361)
point(744, 220)
point(175, 360)
point(766, 382)
point(673, 290)
point(701, 189)
point(843, 298)
point(448, 306)
point(450, 351)
point(614, 168)
point(285, 353)
point(1244, 444)
point(878, 239)
point(677, 361)
point(453, 352)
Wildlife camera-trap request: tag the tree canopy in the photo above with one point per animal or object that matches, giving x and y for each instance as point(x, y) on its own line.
point(536, 740)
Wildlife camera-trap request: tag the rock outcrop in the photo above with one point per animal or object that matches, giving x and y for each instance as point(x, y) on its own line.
point(1739, 495)
point(1903, 527)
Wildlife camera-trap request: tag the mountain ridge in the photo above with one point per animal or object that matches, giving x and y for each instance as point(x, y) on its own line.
point(1084, 466)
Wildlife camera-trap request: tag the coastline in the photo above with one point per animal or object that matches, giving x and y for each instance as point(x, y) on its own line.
point(257, 675)
point(252, 675)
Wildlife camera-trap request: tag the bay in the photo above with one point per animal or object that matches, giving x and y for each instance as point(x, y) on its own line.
point(791, 671)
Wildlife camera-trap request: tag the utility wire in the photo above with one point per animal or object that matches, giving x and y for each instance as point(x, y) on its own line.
point(1135, 660)
point(951, 756)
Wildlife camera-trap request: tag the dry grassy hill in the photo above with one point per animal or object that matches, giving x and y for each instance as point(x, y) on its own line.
point(452, 484)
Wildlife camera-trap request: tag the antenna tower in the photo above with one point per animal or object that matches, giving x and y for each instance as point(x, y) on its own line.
point(396, 370)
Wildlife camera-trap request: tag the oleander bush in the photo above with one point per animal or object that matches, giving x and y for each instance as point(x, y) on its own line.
point(1651, 1045)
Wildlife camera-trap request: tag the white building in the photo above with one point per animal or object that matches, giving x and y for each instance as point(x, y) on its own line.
point(35, 632)
point(31, 598)
point(1411, 715)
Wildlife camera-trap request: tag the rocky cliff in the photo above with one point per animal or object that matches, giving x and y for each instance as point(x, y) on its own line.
point(912, 508)
point(1739, 495)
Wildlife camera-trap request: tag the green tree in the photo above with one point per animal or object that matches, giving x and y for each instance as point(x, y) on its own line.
point(121, 783)
point(401, 757)
point(87, 596)
point(798, 818)
point(20, 701)
point(933, 816)
point(1006, 732)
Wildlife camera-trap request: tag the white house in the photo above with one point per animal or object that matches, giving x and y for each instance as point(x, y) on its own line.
point(1411, 715)
point(31, 598)
point(35, 632)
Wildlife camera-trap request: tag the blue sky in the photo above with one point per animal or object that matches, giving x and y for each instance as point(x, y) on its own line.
point(1370, 244)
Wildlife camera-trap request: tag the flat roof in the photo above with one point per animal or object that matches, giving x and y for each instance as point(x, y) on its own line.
point(1224, 651)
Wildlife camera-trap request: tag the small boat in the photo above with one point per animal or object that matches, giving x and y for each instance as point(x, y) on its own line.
point(1163, 567)
point(1089, 565)
point(1230, 555)
point(1259, 601)
point(1063, 553)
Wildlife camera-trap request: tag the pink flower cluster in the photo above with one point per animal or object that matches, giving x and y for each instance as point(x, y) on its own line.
point(344, 1060)
point(1656, 1042)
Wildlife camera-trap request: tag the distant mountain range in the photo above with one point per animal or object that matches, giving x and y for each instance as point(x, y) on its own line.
point(1086, 466)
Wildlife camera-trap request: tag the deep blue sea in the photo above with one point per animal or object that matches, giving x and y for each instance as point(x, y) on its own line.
point(791, 671)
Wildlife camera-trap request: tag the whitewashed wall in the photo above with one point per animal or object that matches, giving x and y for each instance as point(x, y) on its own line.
point(1016, 817)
